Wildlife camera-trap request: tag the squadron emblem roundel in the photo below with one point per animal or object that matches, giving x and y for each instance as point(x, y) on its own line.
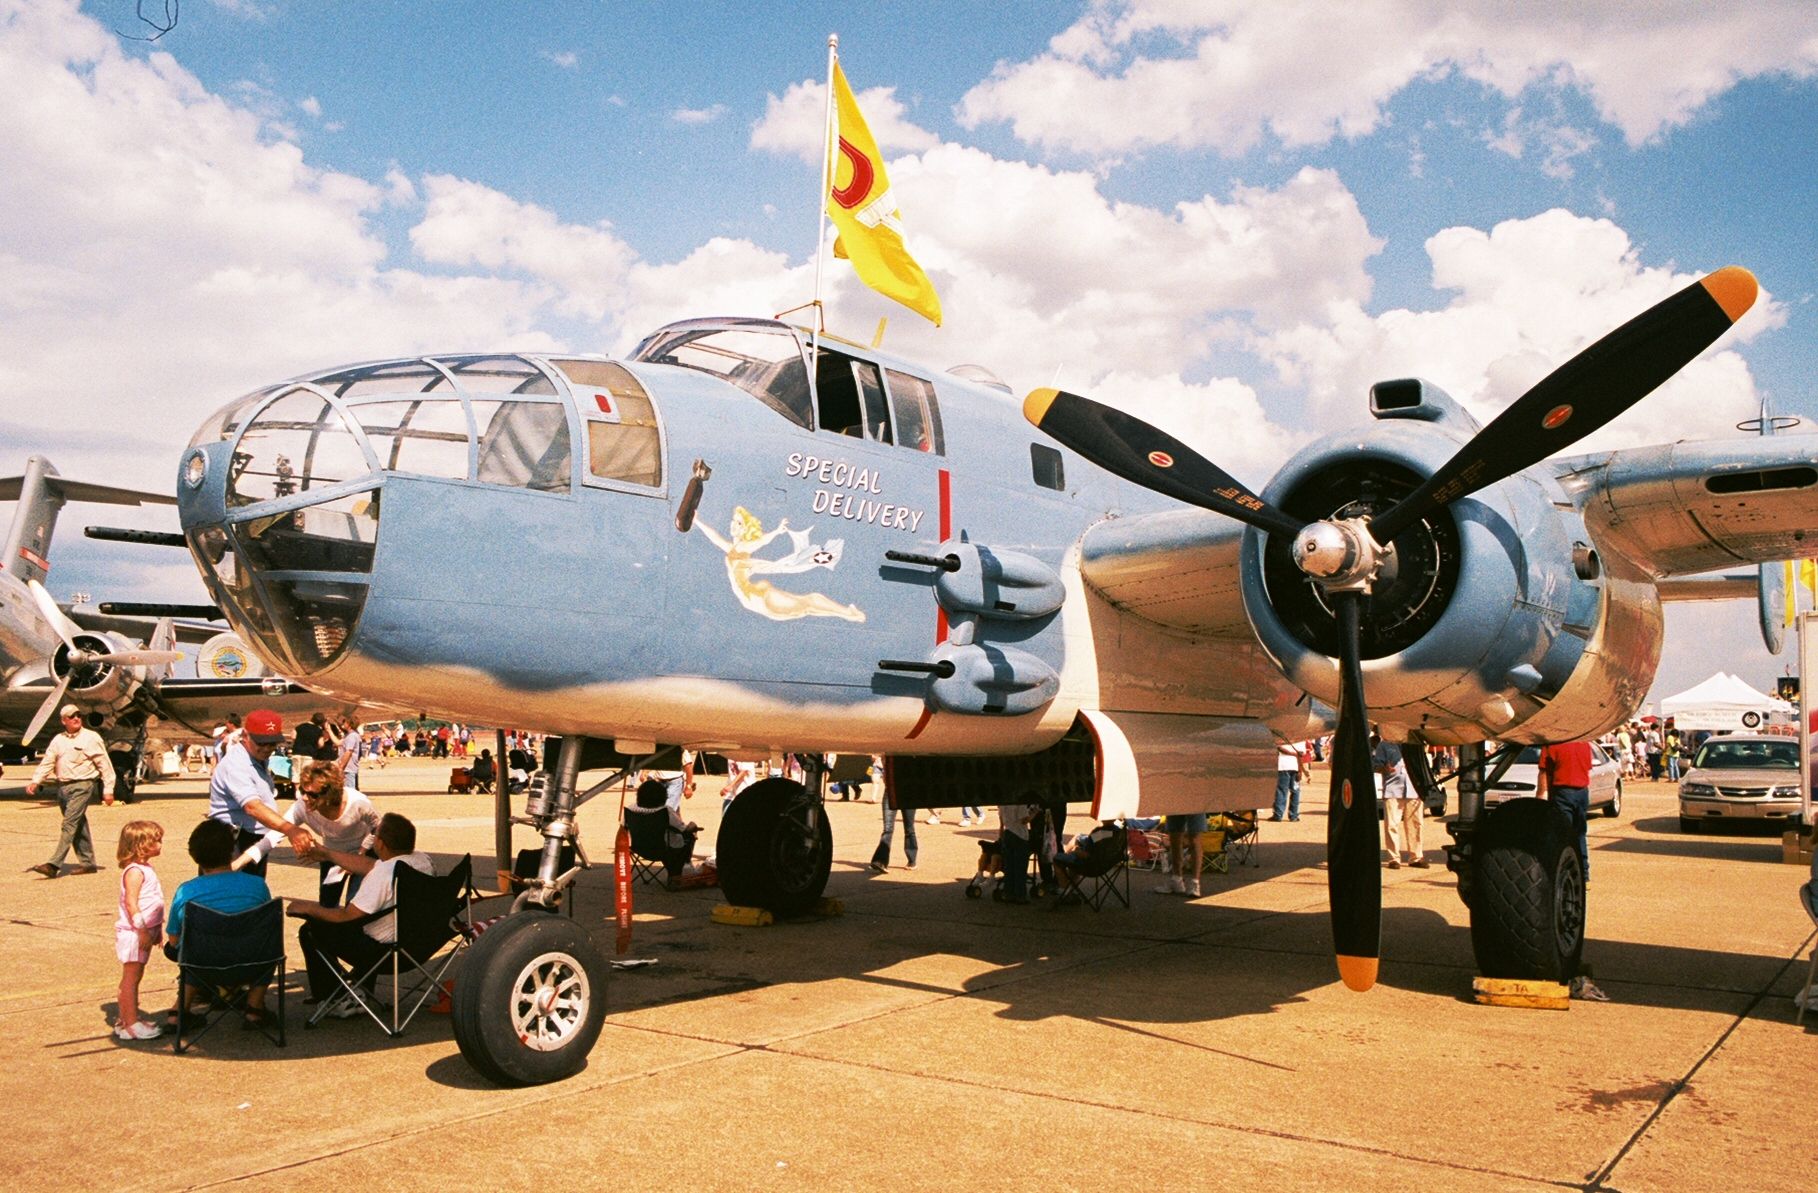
point(1161, 459)
point(1557, 417)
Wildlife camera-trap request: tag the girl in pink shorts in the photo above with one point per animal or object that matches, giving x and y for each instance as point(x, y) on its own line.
point(140, 926)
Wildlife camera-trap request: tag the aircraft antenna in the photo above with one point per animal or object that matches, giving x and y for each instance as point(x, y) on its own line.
point(830, 134)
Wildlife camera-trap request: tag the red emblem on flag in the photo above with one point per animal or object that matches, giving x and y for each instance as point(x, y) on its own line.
point(1161, 459)
point(1557, 417)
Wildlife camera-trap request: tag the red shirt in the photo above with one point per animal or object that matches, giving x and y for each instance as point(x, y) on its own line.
point(1567, 764)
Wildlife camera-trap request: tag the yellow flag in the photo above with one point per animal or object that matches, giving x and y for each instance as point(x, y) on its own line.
point(1792, 595)
point(1808, 572)
point(864, 212)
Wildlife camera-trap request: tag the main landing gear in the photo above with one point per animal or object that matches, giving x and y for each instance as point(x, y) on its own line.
point(1519, 873)
point(531, 999)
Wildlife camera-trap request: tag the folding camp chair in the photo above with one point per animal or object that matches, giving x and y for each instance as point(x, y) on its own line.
point(529, 861)
point(1241, 835)
point(649, 842)
point(1147, 852)
point(1214, 851)
point(1104, 873)
point(433, 912)
point(225, 956)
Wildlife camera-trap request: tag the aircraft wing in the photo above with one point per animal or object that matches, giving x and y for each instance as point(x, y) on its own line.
point(1175, 567)
point(1684, 508)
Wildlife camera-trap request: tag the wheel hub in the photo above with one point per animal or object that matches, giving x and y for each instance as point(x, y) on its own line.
point(549, 1002)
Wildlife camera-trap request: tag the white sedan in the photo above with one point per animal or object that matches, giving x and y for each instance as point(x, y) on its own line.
point(1519, 780)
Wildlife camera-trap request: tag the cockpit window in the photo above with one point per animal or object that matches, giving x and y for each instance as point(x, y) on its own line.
point(918, 414)
point(497, 375)
point(850, 394)
point(523, 444)
point(296, 443)
point(765, 363)
point(623, 440)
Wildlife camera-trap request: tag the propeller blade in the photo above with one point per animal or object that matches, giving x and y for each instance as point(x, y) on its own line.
point(44, 711)
point(47, 607)
point(1584, 393)
point(137, 658)
point(1126, 445)
point(1353, 871)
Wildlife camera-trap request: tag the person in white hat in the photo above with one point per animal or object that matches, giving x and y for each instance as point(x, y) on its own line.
point(76, 760)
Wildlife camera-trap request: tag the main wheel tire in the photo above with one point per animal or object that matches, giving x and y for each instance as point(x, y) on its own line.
point(1614, 808)
point(126, 774)
point(775, 848)
point(530, 1000)
point(1527, 914)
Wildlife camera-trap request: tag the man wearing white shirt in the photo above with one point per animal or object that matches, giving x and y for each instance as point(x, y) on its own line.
point(1290, 768)
point(330, 936)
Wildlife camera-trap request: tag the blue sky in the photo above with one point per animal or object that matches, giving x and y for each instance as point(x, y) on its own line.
point(1230, 216)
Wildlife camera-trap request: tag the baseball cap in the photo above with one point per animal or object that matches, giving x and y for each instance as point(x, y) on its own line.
point(264, 726)
point(69, 710)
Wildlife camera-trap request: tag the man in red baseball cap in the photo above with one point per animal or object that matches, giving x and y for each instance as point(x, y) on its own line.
point(240, 794)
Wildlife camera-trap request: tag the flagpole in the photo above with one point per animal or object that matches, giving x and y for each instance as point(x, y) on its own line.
point(829, 133)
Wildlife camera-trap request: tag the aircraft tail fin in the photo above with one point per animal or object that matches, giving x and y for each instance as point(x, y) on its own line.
point(41, 494)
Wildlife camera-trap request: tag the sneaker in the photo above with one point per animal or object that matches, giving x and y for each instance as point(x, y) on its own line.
point(346, 1010)
point(1176, 885)
point(1193, 888)
point(934, 818)
point(911, 865)
point(142, 1029)
point(965, 822)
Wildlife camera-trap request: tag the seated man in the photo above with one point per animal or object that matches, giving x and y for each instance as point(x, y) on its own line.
point(654, 814)
point(330, 935)
point(211, 846)
point(1089, 852)
point(483, 771)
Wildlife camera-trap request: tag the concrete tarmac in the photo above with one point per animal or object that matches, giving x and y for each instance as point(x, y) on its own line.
point(925, 1041)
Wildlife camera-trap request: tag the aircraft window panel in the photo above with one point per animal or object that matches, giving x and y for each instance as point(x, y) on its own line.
point(871, 397)
point(608, 375)
point(918, 414)
point(224, 422)
point(765, 364)
point(525, 445)
point(499, 375)
point(429, 438)
point(625, 451)
point(1047, 466)
point(296, 443)
point(836, 394)
point(398, 377)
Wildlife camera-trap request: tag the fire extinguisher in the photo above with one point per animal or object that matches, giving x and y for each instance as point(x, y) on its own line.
point(621, 885)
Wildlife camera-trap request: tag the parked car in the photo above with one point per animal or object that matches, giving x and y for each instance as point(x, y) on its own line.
point(1740, 776)
point(1524, 772)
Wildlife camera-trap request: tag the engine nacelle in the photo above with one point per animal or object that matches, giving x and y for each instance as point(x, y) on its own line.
point(1493, 618)
point(106, 687)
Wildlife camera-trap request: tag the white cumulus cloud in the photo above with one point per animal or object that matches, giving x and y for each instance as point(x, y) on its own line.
point(792, 123)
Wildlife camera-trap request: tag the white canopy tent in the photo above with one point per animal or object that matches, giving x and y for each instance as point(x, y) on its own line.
point(1724, 703)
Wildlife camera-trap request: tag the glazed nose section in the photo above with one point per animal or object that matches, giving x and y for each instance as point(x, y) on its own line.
point(282, 517)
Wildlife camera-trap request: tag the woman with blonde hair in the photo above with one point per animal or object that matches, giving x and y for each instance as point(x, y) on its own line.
point(340, 817)
point(140, 925)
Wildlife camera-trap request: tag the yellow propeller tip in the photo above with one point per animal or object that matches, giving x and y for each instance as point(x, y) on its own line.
point(1035, 406)
point(1359, 973)
point(1734, 288)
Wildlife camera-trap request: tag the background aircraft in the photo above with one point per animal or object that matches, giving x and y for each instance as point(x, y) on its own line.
point(117, 669)
point(747, 539)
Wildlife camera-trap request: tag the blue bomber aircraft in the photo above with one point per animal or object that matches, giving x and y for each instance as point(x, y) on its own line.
point(751, 539)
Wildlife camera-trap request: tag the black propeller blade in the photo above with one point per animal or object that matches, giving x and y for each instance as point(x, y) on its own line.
point(1136, 451)
point(1584, 393)
point(1353, 871)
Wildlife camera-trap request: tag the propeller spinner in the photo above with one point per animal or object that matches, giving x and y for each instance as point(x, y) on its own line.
point(1344, 556)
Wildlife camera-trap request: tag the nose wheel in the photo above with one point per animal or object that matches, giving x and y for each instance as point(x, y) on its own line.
point(531, 999)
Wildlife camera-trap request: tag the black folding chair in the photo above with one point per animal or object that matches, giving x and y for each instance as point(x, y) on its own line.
point(649, 828)
point(435, 912)
point(1241, 836)
point(225, 956)
point(1104, 873)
